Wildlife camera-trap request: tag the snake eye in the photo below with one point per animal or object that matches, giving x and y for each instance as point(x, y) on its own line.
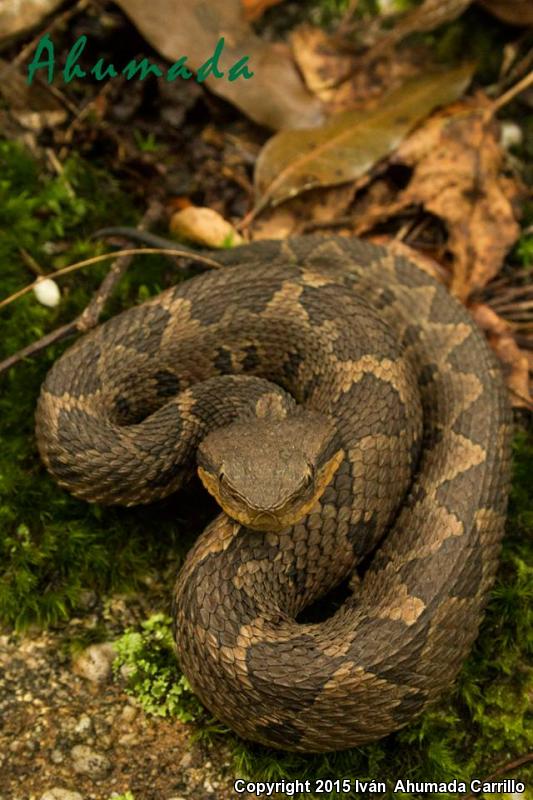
point(308, 477)
point(221, 476)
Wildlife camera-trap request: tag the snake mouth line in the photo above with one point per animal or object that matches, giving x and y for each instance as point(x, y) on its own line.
point(272, 519)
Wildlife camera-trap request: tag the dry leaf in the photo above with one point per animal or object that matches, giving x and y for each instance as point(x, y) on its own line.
point(514, 362)
point(277, 223)
point(348, 145)
point(457, 159)
point(343, 80)
point(275, 96)
point(320, 60)
point(317, 209)
point(253, 9)
point(17, 16)
point(515, 12)
point(34, 107)
point(204, 226)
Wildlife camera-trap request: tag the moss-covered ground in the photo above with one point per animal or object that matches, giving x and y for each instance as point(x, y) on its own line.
point(53, 546)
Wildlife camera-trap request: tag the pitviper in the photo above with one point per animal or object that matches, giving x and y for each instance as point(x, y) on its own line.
point(349, 416)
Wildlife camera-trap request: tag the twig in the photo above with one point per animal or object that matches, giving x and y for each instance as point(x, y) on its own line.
point(58, 20)
point(90, 315)
point(30, 262)
point(347, 17)
point(519, 762)
point(511, 93)
point(80, 115)
point(190, 254)
point(54, 336)
point(58, 167)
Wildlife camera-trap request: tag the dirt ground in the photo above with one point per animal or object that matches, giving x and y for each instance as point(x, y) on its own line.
point(82, 734)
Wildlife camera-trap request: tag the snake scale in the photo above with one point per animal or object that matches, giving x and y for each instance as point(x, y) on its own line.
point(344, 410)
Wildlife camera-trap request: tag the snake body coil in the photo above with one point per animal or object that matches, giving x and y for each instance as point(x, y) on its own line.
point(396, 450)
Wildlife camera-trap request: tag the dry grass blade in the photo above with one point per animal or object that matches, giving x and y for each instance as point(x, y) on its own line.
point(96, 259)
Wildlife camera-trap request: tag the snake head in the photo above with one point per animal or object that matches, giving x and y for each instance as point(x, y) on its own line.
point(266, 472)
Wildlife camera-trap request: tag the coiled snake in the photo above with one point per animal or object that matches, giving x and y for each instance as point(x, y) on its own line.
point(343, 407)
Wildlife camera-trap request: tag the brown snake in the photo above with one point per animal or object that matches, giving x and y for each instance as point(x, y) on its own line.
point(396, 451)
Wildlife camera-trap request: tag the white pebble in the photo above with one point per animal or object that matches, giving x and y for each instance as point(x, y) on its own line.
point(47, 293)
point(510, 134)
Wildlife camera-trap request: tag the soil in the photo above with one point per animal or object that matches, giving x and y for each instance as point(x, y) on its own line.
point(63, 731)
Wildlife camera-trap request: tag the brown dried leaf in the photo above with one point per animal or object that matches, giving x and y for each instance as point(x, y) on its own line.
point(457, 159)
point(275, 96)
point(344, 80)
point(318, 209)
point(348, 145)
point(515, 12)
point(515, 362)
point(17, 17)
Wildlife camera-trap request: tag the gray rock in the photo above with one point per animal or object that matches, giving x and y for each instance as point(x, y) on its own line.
point(90, 762)
point(95, 663)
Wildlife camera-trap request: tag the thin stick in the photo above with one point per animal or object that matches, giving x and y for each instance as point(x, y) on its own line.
point(191, 255)
point(57, 20)
point(54, 336)
point(511, 93)
point(91, 314)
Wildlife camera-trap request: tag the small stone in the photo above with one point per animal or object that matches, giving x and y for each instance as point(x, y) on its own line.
point(96, 662)
point(84, 725)
point(89, 762)
point(185, 761)
point(129, 713)
point(61, 794)
point(128, 738)
point(57, 757)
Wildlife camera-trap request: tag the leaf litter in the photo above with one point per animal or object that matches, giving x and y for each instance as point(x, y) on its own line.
point(349, 144)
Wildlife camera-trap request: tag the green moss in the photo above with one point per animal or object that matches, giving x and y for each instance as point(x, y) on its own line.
point(148, 658)
point(51, 545)
point(524, 250)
